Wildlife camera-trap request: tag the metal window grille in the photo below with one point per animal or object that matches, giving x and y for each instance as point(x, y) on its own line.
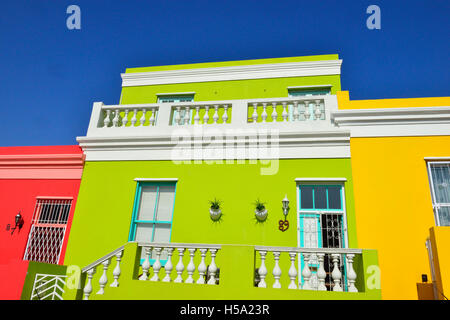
point(48, 287)
point(48, 229)
point(439, 175)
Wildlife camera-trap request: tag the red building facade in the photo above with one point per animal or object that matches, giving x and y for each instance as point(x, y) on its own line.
point(39, 186)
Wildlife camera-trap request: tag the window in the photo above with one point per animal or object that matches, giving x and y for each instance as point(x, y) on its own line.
point(153, 212)
point(321, 224)
point(309, 91)
point(48, 229)
point(439, 175)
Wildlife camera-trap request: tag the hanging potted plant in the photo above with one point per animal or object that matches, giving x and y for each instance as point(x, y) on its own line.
point(260, 210)
point(214, 210)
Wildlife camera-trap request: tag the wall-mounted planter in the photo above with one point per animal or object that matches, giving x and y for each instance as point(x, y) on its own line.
point(215, 214)
point(261, 215)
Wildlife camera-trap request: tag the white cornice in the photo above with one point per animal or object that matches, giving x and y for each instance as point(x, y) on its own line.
point(389, 122)
point(258, 71)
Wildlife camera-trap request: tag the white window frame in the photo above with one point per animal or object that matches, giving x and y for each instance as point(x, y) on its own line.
point(436, 206)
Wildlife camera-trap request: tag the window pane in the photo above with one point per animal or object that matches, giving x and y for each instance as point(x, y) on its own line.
point(306, 197)
point(162, 233)
point(320, 198)
point(334, 197)
point(147, 205)
point(441, 182)
point(165, 203)
point(444, 216)
point(144, 232)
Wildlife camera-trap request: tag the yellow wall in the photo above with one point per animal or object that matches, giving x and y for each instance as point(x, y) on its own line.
point(393, 200)
point(440, 242)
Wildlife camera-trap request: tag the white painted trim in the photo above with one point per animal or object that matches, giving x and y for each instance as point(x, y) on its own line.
point(320, 179)
point(175, 94)
point(155, 179)
point(257, 71)
point(437, 159)
point(312, 87)
point(394, 122)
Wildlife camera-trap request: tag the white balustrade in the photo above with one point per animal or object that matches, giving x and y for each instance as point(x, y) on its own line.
point(103, 279)
point(322, 269)
point(206, 274)
point(182, 115)
point(117, 116)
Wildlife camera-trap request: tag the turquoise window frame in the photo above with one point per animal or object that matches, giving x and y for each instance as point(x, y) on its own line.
point(137, 201)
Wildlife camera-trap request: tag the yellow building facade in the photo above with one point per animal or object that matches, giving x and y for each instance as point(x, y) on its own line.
point(396, 147)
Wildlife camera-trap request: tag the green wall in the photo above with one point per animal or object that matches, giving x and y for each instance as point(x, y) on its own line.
point(105, 202)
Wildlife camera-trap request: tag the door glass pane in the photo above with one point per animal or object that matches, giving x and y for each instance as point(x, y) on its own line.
point(165, 203)
point(441, 182)
point(162, 233)
point(147, 205)
point(144, 232)
point(306, 197)
point(310, 232)
point(320, 198)
point(334, 197)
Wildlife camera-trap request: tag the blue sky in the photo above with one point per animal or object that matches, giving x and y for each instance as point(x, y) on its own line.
point(51, 75)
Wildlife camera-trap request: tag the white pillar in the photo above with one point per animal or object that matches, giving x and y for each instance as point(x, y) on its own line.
point(116, 271)
point(169, 266)
point(180, 266)
point(321, 274)
point(292, 270)
point(145, 264)
point(103, 279)
point(156, 265)
point(306, 272)
point(262, 271)
point(88, 287)
point(212, 269)
point(336, 274)
point(351, 274)
point(202, 267)
point(191, 266)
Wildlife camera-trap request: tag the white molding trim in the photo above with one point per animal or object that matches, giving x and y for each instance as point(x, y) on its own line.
point(257, 71)
point(394, 122)
point(437, 159)
point(156, 179)
point(320, 179)
point(175, 94)
point(312, 87)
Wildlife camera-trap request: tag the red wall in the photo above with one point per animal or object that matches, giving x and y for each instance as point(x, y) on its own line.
point(20, 195)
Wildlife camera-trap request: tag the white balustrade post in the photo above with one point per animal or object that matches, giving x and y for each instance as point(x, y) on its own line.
point(125, 118)
point(317, 111)
point(107, 119)
point(264, 113)
point(116, 118)
point(88, 287)
point(292, 270)
point(180, 266)
point(156, 265)
point(145, 264)
point(285, 114)
point(351, 274)
point(187, 115)
point(274, 114)
point(276, 270)
point(295, 114)
point(103, 279)
point(197, 115)
point(191, 266)
point(307, 113)
point(216, 113)
point(134, 118)
point(306, 272)
point(142, 120)
point(117, 271)
point(152, 117)
point(206, 116)
point(255, 113)
point(202, 267)
point(262, 271)
point(169, 266)
point(336, 274)
point(321, 274)
point(225, 113)
point(212, 269)
point(178, 117)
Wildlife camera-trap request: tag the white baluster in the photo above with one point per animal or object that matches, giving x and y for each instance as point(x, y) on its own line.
point(187, 115)
point(142, 120)
point(206, 116)
point(178, 117)
point(255, 113)
point(306, 272)
point(169, 266)
point(152, 119)
point(321, 274)
point(145, 264)
point(262, 271)
point(307, 112)
point(276, 270)
point(125, 118)
point(116, 118)
point(134, 118)
point(225, 114)
point(351, 274)
point(292, 270)
point(212, 269)
point(317, 111)
point(216, 113)
point(274, 114)
point(197, 115)
point(107, 120)
point(202, 267)
point(264, 113)
point(116, 271)
point(103, 279)
point(88, 287)
point(180, 266)
point(285, 114)
point(156, 265)
point(296, 114)
point(336, 274)
point(191, 266)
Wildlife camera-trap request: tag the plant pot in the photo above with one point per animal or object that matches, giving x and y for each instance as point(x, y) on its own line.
point(215, 213)
point(261, 215)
